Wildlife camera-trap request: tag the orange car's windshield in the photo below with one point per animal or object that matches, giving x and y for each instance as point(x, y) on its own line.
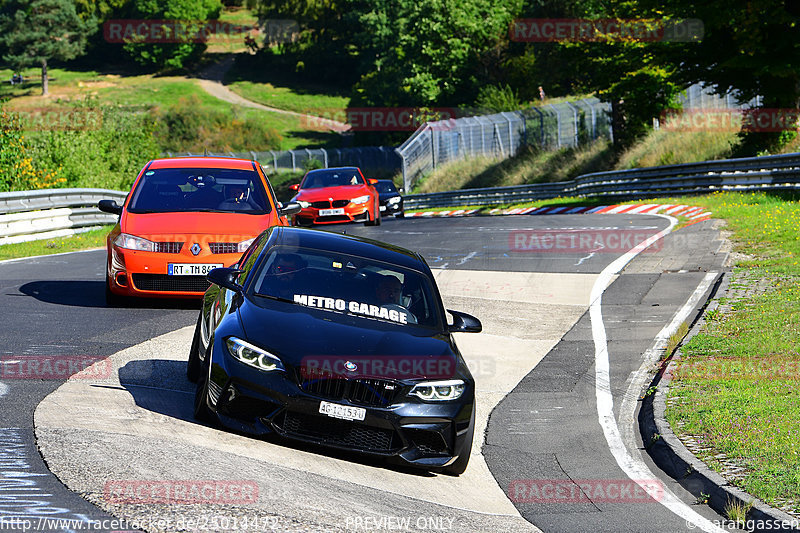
point(200, 189)
point(331, 178)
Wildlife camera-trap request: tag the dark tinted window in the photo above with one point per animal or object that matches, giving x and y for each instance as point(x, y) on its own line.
point(200, 189)
point(385, 186)
point(331, 178)
point(347, 284)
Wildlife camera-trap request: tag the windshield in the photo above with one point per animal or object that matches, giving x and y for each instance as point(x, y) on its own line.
point(332, 178)
point(385, 186)
point(200, 189)
point(345, 284)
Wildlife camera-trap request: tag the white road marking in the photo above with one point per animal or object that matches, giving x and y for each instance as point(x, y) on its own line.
point(585, 258)
point(635, 469)
point(3, 389)
point(467, 257)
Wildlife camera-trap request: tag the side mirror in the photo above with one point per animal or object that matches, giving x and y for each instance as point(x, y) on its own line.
point(109, 206)
point(373, 181)
point(292, 208)
point(295, 187)
point(225, 278)
point(464, 323)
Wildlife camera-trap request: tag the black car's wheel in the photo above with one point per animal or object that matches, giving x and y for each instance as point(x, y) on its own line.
point(458, 468)
point(401, 214)
point(194, 367)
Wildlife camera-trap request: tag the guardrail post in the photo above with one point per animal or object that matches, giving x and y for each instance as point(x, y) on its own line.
point(294, 164)
point(274, 160)
point(324, 156)
point(574, 121)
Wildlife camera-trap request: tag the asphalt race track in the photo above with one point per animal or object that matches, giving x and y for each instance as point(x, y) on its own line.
point(557, 369)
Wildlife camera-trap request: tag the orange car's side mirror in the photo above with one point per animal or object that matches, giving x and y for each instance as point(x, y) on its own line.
point(295, 187)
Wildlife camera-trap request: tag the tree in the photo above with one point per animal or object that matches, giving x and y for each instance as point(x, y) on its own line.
point(36, 31)
point(171, 54)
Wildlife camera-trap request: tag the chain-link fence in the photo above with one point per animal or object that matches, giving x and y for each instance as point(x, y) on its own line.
point(568, 124)
point(374, 161)
point(699, 96)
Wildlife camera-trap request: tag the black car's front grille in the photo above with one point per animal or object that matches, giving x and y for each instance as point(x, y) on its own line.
point(223, 247)
point(338, 432)
point(362, 391)
point(169, 247)
point(166, 283)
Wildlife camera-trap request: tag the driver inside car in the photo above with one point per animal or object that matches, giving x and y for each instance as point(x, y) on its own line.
point(389, 293)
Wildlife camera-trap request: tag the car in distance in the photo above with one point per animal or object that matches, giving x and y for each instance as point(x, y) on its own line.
point(390, 198)
point(338, 341)
point(335, 195)
point(183, 217)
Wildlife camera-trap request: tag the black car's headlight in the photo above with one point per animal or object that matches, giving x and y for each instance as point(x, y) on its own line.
point(393, 200)
point(253, 355)
point(439, 391)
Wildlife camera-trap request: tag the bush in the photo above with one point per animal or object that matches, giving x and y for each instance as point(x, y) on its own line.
point(190, 126)
point(109, 156)
point(17, 169)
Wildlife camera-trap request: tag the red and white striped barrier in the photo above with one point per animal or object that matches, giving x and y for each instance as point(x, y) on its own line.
point(693, 213)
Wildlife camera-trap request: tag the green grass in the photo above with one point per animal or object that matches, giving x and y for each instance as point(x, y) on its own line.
point(95, 238)
point(147, 91)
point(275, 87)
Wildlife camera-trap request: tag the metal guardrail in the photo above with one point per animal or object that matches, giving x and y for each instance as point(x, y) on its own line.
point(30, 215)
point(49, 213)
point(752, 173)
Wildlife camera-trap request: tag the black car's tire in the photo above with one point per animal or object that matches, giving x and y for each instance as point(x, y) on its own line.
point(458, 468)
point(194, 367)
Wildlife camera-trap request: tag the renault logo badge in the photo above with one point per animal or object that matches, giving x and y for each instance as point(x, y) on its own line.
point(195, 249)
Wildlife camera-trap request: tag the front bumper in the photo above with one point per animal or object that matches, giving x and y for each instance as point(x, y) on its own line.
point(145, 274)
point(406, 431)
point(352, 213)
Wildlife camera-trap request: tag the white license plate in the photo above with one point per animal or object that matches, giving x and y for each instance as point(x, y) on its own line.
point(345, 412)
point(328, 212)
point(191, 269)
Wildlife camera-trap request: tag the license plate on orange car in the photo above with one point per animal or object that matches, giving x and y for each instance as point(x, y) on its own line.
point(328, 212)
point(345, 412)
point(191, 269)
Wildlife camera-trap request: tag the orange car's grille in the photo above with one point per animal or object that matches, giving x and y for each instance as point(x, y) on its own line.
point(166, 283)
point(340, 203)
point(223, 247)
point(325, 204)
point(169, 247)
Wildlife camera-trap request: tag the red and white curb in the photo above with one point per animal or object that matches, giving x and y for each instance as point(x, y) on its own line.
point(694, 213)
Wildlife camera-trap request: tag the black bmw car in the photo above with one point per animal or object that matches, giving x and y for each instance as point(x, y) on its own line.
point(390, 198)
point(338, 341)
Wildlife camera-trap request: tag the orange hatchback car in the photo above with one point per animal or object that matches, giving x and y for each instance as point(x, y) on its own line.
point(183, 217)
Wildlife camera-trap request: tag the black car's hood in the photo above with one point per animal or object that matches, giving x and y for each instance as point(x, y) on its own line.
point(306, 337)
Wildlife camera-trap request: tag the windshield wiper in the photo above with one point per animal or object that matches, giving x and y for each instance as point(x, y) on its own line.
point(277, 298)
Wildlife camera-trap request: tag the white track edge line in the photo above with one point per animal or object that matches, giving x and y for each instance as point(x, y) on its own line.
point(636, 470)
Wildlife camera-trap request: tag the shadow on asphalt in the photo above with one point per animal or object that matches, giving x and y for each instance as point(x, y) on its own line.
point(92, 294)
point(161, 386)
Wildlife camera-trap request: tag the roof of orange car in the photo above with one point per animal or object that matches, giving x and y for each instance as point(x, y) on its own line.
point(202, 162)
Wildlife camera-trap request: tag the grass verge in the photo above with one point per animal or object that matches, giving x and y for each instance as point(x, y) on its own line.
point(95, 238)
